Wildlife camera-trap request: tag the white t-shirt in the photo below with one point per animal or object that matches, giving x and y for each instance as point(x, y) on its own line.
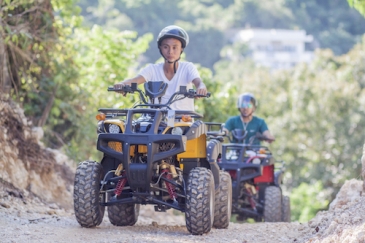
point(184, 76)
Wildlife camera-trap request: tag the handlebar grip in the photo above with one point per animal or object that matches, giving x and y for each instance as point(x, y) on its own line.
point(126, 89)
point(207, 95)
point(263, 138)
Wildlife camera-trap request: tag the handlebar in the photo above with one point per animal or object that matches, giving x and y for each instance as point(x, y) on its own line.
point(181, 94)
point(240, 135)
point(129, 89)
point(264, 138)
point(125, 88)
point(191, 93)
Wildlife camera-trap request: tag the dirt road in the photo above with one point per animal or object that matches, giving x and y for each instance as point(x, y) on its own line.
point(24, 218)
point(27, 219)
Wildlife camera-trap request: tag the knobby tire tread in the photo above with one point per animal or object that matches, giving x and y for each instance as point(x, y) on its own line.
point(223, 202)
point(198, 214)
point(88, 211)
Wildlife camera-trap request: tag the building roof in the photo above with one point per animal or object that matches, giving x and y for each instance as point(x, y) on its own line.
point(247, 35)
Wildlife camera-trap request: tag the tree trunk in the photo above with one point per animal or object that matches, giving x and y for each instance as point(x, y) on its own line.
point(48, 108)
point(5, 82)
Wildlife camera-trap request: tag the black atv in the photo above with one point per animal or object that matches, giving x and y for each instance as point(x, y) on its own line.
point(256, 182)
point(153, 155)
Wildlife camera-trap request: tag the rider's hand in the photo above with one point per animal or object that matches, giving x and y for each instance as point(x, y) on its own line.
point(120, 86)
point(201, 90)
point(269, 140)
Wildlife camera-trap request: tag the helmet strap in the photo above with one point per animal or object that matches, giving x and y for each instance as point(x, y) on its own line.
point(174, 62)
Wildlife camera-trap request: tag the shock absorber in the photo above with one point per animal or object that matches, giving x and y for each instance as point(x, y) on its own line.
point(120, 185)
point(170, 188)
point(251, 191)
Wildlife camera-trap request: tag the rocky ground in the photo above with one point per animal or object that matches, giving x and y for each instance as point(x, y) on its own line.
point(26, 218)
point(36, 203)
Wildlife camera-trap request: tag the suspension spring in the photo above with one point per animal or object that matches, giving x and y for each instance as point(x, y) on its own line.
point(250, 199)
point(170, 188)
point(120, 185)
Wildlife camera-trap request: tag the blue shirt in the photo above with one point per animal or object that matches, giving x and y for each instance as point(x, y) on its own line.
point(252, 127)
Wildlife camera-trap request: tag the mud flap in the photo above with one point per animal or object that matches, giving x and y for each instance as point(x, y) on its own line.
point(214, 149)
point(278, 177)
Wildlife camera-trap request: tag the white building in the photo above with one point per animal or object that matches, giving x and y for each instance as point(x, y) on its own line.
point(276, 48)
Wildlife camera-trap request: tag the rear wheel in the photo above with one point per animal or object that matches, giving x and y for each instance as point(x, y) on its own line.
point(200, 195)
point(272, 207)
point(285, 209)
point(87, 198)
point(123, 214)
point(223, 201)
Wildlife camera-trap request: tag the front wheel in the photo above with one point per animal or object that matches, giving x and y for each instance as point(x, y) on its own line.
point(223, 201)
point(199, 214)
point(87, 198)
point(272, 206)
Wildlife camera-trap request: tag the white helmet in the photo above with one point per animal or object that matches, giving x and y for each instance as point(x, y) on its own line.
point(246, 98)
point(173, 31)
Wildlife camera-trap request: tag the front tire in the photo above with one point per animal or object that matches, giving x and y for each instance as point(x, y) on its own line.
point(199, 214)
point(223, 201)
point(272, 207)
point(123, 214)
point(87, 198)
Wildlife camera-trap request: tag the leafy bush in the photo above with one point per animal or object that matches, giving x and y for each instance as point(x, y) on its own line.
point(307, 200)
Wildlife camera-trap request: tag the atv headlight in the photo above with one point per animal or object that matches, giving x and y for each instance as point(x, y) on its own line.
point(114, 128)
point(177, 131)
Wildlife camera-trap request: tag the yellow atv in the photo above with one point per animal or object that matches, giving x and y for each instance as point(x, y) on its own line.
point(154, 155)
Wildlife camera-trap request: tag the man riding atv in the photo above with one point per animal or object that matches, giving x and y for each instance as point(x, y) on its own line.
point(256, 179)
point(246, 121)
point(171, 42)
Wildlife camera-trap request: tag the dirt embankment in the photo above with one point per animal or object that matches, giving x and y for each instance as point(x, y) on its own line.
point(36, 203)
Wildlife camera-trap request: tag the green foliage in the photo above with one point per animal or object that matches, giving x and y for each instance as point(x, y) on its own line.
point(25, 38)
point(205, 39)
point(323, 122)
point(331, 22)
point(225, 88)
point(37, 55)
point(359, 5)
point(60, 72)
point(256, 14)
point(160, 13)
point(307, 200)
point(315, 111)
point(103, 58)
